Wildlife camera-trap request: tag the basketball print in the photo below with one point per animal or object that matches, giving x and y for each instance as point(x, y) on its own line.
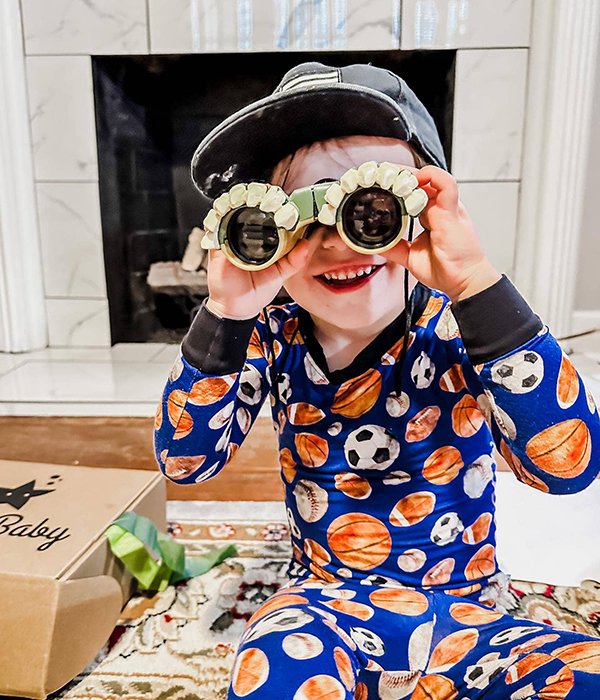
point(519, 373)
point(466, 417)
point(563, 449)
point(311, 500)
point(434, 687)
point(359, 540)
point(371, 447)
point(255, 347)
point(522, 474)
point(413, 508)
point(482, 563)
point(158, 416)
point(251, 670)
point(422, 424)
point(357, 396)
point(567, 386)
point(312, 449)
point(452, 649)
point(321, 687)
point(443, 465)
point(184, 426)
point(580, 656)
point(175, 406)
point(289, 329)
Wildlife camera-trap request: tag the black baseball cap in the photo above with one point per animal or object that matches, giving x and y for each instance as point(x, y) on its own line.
point(313, 102)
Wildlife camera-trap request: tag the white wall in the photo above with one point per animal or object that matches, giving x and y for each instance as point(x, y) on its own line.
point(588, 279)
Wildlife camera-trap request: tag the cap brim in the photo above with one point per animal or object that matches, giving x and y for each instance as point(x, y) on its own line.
point(249, 143)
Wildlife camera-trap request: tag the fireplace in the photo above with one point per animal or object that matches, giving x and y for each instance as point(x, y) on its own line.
point(151, 113)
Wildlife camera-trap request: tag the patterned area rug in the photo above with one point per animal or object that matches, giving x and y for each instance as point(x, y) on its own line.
point(180, 644)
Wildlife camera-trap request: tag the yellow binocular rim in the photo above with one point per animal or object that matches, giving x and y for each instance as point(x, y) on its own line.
point(323, 202)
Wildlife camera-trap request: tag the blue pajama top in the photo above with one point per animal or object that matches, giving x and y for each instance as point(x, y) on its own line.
point(380, 485)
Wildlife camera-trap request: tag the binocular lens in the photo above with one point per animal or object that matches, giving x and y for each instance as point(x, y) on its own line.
point(372, 217)
point(252, 235)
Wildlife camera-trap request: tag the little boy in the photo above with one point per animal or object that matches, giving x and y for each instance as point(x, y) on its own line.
point(386, 428)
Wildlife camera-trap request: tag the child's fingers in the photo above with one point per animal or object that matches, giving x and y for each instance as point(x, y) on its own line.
point(399, 253)
point(291, 263)
point(442, 182)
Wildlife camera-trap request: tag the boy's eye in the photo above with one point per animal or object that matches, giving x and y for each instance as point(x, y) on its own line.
point(311, 228)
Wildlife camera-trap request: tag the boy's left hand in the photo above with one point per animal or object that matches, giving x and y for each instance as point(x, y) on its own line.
point(448, 255)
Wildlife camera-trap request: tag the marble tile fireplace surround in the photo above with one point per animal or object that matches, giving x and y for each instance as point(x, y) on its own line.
point(502, 98)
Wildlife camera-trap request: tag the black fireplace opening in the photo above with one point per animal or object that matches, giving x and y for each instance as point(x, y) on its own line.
point(151, 113)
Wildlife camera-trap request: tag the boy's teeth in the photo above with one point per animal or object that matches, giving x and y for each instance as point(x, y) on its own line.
point(350, 275)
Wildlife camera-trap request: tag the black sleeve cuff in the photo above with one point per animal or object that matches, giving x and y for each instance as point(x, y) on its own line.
point(495, 321)
point(217, 345)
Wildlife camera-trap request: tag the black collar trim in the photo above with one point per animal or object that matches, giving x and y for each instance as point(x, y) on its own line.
point(374, 351)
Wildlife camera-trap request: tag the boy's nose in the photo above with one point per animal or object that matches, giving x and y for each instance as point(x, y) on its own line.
point(330, 239)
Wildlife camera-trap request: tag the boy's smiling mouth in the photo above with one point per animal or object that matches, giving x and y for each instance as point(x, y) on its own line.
point(348, 277)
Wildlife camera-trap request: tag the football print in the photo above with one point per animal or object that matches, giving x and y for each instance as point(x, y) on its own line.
point(423, 371)
point(519, 373)
point(371, 447)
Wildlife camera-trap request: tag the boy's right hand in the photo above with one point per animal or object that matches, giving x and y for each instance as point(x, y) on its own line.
point(241, 294)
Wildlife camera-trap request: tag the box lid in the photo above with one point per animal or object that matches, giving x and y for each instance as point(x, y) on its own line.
point(50, 515)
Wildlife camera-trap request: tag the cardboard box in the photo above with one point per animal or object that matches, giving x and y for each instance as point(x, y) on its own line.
point(61, 589)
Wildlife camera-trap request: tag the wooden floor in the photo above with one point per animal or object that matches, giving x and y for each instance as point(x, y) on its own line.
point(253, 475)
point(126, 443)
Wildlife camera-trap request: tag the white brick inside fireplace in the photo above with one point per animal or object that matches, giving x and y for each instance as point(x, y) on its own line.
point(497, 90)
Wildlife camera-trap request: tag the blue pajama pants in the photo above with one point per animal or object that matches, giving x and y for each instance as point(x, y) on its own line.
point(334, 641)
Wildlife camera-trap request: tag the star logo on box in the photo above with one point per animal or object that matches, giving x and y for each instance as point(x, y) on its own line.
point(19, 496)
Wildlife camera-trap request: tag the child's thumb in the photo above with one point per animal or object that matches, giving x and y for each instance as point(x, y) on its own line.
point(293, 262)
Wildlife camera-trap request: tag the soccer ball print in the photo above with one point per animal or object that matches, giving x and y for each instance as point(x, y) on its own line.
point(519, 373)
point(390, 493)
point(371, 447)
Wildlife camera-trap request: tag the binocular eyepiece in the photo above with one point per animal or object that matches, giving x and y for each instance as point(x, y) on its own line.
point(256, 224)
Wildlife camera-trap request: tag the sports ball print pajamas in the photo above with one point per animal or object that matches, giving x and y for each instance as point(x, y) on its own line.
point(390, 498)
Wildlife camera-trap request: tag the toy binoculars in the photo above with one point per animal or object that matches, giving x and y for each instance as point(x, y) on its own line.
point(255, 224)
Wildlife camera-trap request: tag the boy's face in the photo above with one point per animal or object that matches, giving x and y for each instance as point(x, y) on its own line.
point(377, 290)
